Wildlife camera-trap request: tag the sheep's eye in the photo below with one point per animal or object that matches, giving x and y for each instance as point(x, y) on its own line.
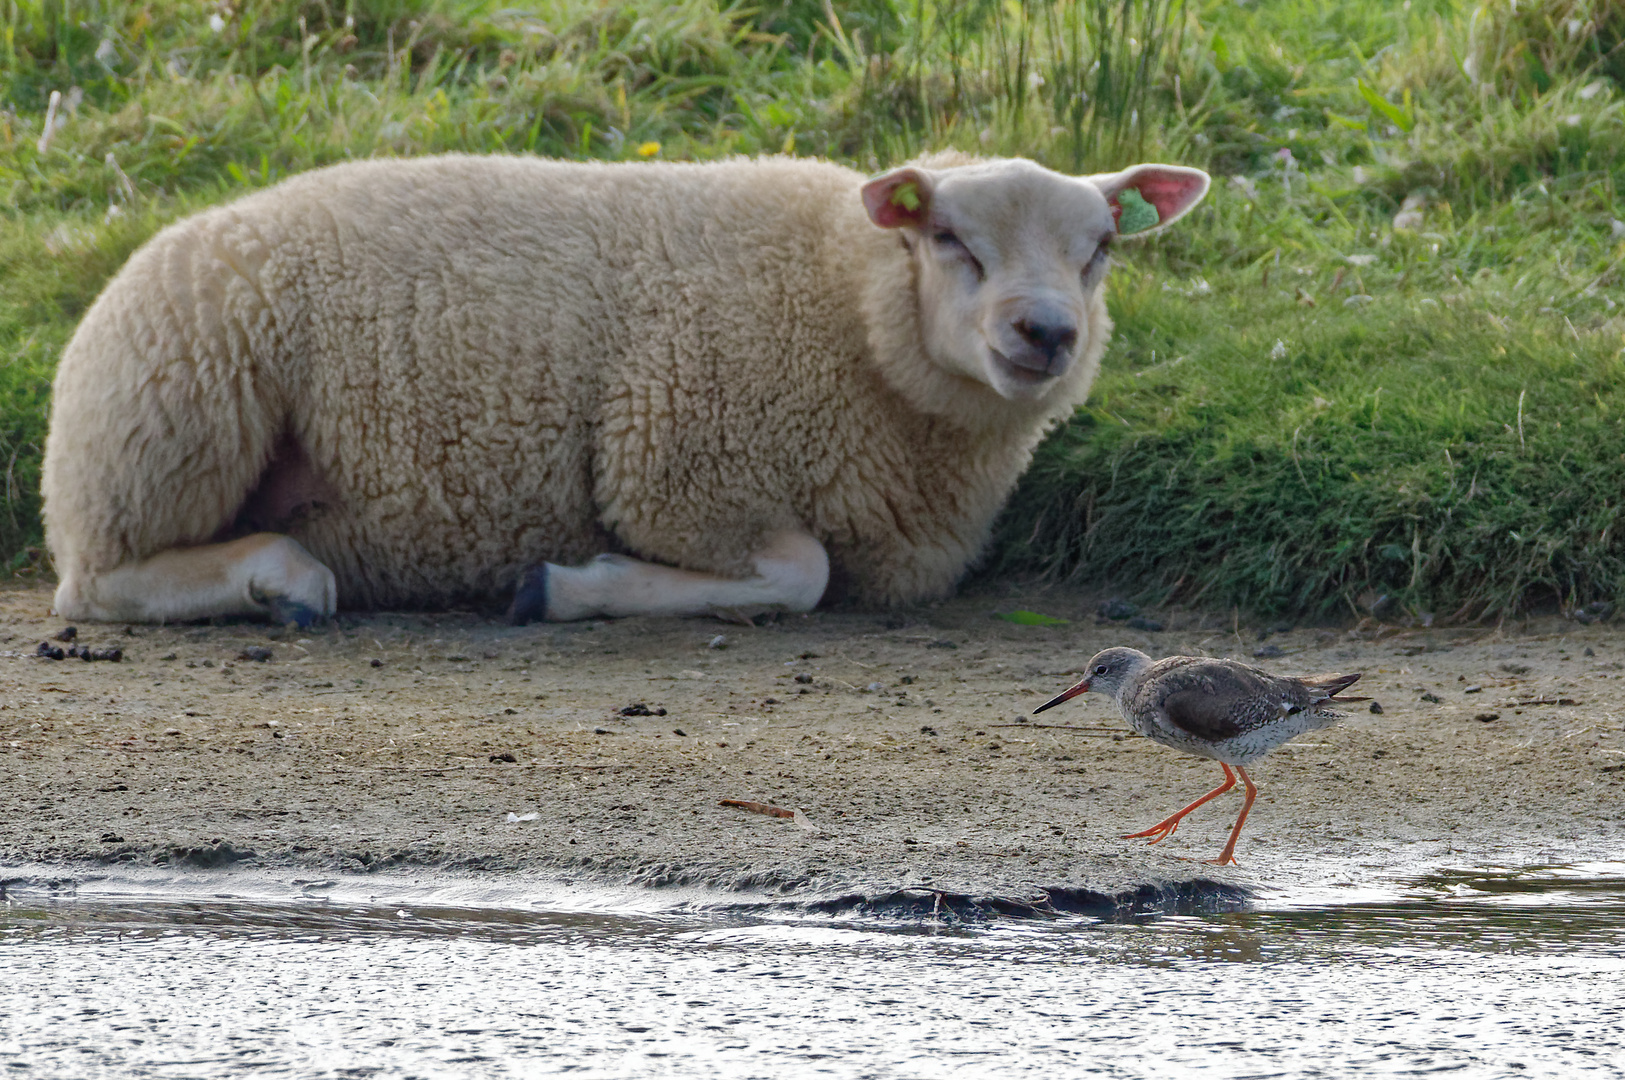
point(1098, 259)
point(948, 241)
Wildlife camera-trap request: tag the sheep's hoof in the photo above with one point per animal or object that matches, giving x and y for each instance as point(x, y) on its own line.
point(286, 612)
point(530, 597)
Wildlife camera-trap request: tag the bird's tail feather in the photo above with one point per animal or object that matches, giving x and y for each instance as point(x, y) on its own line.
point(1327, 687)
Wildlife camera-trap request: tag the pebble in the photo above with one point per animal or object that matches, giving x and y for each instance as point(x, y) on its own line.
point(1116, 609)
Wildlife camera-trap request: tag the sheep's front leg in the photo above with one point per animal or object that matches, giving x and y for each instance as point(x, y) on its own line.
point(791, 571)
point(265, 574)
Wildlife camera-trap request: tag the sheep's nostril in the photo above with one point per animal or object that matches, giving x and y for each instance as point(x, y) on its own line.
point(1051, 339)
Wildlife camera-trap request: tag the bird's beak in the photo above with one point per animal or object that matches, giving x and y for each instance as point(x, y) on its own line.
point(1080, 688)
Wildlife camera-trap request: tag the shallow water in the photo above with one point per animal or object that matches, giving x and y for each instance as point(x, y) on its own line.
point(1474, 973)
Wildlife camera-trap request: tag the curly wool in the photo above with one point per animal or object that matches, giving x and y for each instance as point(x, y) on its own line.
point(490, 362)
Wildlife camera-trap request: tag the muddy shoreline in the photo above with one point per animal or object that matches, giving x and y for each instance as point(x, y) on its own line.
point(905, 740)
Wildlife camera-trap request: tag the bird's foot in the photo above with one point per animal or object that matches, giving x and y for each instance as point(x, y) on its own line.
point(1155, 834)
point(1226, 859)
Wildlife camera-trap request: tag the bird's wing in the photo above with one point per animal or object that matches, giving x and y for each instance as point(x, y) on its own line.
point(1220, 699)
point(1324, 687)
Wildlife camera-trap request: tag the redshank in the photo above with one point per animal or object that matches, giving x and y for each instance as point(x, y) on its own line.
point(1219, 709)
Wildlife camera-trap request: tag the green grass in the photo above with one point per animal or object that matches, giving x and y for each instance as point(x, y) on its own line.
point(1307, 409)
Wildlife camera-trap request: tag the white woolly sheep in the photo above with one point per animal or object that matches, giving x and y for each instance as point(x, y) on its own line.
point(399, 383)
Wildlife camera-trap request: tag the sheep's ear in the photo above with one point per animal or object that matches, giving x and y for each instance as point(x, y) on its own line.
point(898, 198)
point(1146, 198)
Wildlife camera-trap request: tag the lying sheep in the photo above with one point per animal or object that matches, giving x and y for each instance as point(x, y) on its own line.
point(454, 379)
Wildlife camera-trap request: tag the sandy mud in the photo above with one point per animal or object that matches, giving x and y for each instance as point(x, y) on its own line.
point(905, 741)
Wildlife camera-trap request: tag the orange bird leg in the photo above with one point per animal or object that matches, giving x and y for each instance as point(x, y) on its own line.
point(1163, 829)
point(1228, 855)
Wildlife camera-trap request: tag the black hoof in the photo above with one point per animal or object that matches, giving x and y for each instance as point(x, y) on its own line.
point(285, 612)
point(530, 597)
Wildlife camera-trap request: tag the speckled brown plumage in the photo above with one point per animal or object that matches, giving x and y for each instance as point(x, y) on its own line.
point(1220, 709)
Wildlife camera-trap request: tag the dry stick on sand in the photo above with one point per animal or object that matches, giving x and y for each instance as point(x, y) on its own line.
point(758, 807)
point(469, 768)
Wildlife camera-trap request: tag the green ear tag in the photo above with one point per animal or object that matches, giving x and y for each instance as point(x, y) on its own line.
point(908, 197)
point(1138, 215)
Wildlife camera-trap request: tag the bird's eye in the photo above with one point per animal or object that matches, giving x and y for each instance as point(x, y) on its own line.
point(1101, 670)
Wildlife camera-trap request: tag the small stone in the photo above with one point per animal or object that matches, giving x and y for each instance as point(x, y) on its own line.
point(1515, 669)
point(1376, 707)
point(259, 654)
point(169, 656)
point(1432, 698)
point(50, 652)
point(505, 756)
point(1486, 717)
point(377, 662)
point(67, 633)
point(1269, 652)
point(804, 678)
point(770, 701)
point(1140, 622)
point(112, 838)
point(874, 688)
point(1116, 609)
point(600, 731)
point(1473, 690)
point(927, 729)
point(718, 642)
point(679, 731)
point(638, 708)
point(1590, 651)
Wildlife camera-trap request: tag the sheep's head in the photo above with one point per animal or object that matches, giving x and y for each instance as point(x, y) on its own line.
point(1010, 258)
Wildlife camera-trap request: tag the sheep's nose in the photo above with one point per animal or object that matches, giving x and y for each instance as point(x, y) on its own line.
point(1051, 338)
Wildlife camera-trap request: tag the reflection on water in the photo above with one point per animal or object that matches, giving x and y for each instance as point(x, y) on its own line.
point(1472, 973)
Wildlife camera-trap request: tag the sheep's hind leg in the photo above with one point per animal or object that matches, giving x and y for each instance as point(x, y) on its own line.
point(266, 574)
point(791, 571)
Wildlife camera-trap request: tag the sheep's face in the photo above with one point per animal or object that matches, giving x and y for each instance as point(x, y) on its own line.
point(1010, 258)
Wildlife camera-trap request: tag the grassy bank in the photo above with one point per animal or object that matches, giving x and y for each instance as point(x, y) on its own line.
point(1377, 368)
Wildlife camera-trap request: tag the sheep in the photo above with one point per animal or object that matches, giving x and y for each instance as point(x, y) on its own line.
point(595, 389)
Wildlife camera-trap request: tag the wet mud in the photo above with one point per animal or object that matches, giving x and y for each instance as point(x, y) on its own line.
point(902, 743)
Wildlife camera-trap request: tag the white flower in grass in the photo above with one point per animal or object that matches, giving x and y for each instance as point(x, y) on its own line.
point(1279, 352)
point(216, 23)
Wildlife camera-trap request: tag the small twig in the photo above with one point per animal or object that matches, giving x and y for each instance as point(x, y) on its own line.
point(467, 768)
point(767, 809)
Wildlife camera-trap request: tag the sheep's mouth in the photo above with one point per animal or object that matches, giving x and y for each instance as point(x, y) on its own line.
point(1026, 370)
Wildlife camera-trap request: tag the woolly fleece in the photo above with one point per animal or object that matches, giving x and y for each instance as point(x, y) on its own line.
point(463, 366)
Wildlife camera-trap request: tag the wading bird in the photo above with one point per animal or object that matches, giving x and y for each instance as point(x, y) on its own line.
point(1219, 709)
